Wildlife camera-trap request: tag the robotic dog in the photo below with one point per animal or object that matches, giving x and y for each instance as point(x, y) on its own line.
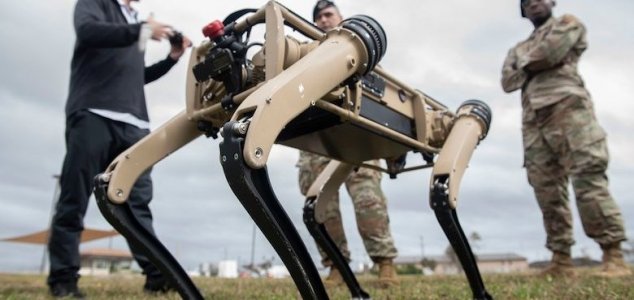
point(328, 97)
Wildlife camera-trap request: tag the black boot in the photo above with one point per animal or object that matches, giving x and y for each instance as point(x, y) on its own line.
point(64, 289)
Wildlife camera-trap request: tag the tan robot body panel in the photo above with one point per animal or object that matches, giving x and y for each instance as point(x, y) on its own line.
point(123, 172)
point(326, 186)
point(454, 157)
point(275, 42)
point(293, 90)
point(193, 89)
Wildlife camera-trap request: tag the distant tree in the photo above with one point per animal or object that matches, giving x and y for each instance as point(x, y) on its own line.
point(453, 257)
point(428, 263)
point(408, 269)
point(474, 240)
point(267, 264)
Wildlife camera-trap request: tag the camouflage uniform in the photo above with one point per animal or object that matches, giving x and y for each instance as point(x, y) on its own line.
point(561, 136)
point(364, 187)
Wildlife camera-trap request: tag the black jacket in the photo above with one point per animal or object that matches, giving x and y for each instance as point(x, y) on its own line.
point(108, 70)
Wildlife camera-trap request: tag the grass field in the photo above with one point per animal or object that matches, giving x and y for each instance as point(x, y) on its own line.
point(520, 286)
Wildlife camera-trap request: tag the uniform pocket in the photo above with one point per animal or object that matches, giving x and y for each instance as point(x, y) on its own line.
point(530, 131)
point(582, 128)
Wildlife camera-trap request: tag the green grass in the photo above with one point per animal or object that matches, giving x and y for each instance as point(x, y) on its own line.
point(517, 286)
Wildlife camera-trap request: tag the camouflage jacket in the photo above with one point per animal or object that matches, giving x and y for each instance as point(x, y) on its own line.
point(545, 65)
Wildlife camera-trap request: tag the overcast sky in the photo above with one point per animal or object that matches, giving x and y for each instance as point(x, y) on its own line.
point(452, 50)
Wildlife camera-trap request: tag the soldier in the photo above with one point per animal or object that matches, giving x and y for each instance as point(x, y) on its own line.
point(364, 187)
point(562, 139)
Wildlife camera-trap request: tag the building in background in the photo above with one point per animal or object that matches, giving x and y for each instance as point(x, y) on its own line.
point(444, 265)
point(105, 261)
point(41, 238)
point(228, 269)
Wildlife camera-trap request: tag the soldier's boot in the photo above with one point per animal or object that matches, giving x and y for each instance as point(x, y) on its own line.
point(334, 278)
point(613, 263)
point(560, 266)
point(387, 273)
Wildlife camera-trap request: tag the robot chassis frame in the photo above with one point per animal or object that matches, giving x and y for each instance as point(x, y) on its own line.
point(352, 111)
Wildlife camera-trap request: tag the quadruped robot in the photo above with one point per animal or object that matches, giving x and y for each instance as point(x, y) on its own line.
point(328, 97)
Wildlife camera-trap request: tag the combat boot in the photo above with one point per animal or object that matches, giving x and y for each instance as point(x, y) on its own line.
point(613, 263)
point(67, 290)
point(334, 278)
point(387, 272)
point(560, 266)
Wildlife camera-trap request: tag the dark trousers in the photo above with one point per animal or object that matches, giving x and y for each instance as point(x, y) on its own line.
point(92, 142)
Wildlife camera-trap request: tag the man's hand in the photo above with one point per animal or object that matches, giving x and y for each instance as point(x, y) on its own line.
point(178, 49)
point(159, 30)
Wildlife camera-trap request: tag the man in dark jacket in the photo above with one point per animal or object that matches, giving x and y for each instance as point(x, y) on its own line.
point(105, 114)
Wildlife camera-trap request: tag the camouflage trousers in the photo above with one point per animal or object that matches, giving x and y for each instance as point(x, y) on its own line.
point(364, 187)
point(563, 142)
